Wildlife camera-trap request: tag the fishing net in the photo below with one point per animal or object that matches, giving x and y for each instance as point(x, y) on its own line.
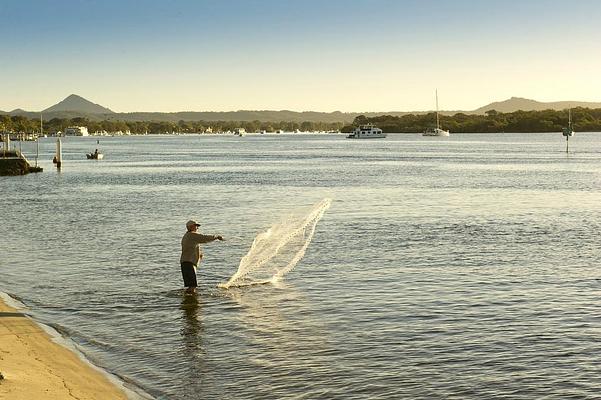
point(276, 251)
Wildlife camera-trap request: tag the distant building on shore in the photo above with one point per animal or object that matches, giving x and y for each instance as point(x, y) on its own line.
point(76, 131)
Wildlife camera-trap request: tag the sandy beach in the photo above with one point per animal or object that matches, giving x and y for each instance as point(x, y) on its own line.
point(35, 367)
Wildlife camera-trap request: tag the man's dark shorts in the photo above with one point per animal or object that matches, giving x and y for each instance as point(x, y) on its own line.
point(189, 274)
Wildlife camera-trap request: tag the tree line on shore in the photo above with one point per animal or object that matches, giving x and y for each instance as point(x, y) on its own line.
point(27, 125)
point(584, 120)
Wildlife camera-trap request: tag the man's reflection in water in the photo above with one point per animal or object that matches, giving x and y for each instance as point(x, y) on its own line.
point(192, 326)
point(193, 351)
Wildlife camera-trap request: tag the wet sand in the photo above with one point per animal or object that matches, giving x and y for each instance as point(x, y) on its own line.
point(35, 367)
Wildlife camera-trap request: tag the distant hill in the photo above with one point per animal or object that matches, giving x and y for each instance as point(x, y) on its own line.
point(246, 115)
point(78, 104)
point(519, 103)
point(75, 106)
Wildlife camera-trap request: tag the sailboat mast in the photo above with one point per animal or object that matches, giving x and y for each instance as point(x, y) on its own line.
point(37, 143)
point(437, 122)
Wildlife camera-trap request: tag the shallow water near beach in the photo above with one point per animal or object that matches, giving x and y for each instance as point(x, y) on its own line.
point(462, 267)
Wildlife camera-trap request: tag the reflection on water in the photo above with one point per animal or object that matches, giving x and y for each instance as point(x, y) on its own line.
point(192, 328)
point(192, 353)
point(282, 340)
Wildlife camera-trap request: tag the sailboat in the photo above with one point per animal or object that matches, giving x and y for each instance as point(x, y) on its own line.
point(436, 131)
point(569, 131)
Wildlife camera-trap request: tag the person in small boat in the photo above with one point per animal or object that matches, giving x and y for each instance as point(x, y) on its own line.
point(96, 153)
point(192, 253)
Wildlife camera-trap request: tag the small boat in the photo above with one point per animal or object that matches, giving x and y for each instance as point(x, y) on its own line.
point(366, 132)
point(95, 155)
point(569, 131)
point(436, 131)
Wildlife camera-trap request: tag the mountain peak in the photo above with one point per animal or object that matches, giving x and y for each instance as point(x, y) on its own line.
point(74, 97)
point(77, 103)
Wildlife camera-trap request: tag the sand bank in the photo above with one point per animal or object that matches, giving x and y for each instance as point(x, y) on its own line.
point(35, 367)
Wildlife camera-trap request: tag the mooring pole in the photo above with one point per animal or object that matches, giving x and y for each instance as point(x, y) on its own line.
point(59, 153)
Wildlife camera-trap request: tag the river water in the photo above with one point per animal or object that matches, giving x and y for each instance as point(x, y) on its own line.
point(462, 267)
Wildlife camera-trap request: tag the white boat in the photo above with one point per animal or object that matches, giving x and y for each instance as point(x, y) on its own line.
point(366, 132)
point(436, 131)
point(239, 131)
point(569, 131)
point(95, 155)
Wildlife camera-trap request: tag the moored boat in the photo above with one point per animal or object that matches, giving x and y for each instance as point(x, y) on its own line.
point(569, 130)
point(435, 132)
point(366, 132)
point(96, 155)
point(438, 131)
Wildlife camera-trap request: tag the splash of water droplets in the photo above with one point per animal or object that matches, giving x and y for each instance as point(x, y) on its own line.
point(276, 251)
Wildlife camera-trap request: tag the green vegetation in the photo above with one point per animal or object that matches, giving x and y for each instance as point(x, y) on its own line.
point(24, 124)
point(585, 120)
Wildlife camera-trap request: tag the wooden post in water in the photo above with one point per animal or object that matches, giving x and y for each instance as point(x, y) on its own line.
point(59, 153)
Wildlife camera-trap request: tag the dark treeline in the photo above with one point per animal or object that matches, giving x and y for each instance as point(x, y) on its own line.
point(584, 120)
point(23, 124)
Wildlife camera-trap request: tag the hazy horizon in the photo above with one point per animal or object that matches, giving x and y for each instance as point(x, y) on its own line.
point(349, 56)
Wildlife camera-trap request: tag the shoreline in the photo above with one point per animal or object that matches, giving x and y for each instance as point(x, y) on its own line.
point(37, 362)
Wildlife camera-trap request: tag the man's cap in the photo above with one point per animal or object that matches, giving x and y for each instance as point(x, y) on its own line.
point(191, 223)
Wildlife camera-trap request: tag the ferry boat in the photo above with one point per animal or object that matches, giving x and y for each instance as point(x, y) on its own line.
point(366, 132)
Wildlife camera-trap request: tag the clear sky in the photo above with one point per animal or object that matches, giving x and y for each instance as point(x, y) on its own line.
point(321, 55)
